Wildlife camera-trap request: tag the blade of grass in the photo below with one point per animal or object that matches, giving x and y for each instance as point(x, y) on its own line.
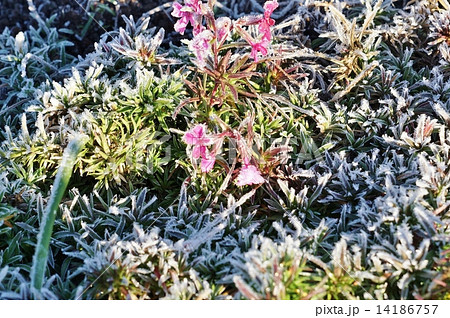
point(59, 187)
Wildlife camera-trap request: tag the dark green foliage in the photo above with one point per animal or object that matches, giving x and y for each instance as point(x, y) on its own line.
point(348, 128)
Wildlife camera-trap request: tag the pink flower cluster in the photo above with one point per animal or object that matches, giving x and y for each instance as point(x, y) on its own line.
point(267, 21)
point(197, 137)
point(191, 12)
point(264, 25)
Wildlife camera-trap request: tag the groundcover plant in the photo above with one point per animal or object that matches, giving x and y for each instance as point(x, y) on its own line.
point(297, 152)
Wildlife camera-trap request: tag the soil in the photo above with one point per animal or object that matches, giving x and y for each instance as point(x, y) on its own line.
point(73, 15)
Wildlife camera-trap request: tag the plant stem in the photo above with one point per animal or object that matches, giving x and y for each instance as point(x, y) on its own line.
point(59, 187)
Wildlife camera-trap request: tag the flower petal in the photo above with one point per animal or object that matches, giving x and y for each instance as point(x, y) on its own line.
point(199, 151)
point(199, 130)
point(177, 10)
point(249, 175)
point(269, 7)
point(180, 26)
point(207, 164)
point(189, 138)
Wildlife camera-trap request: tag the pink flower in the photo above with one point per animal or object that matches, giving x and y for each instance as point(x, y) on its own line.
point(223, 26)
point(197, 137)
point(207, 163)
point(200, 45)
point(269, 8)
point(190, 12)
point(249, 175)
point(259, 47)
point(264, 28)
point(180, 25)
point(267, 22)
point(264, 23)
